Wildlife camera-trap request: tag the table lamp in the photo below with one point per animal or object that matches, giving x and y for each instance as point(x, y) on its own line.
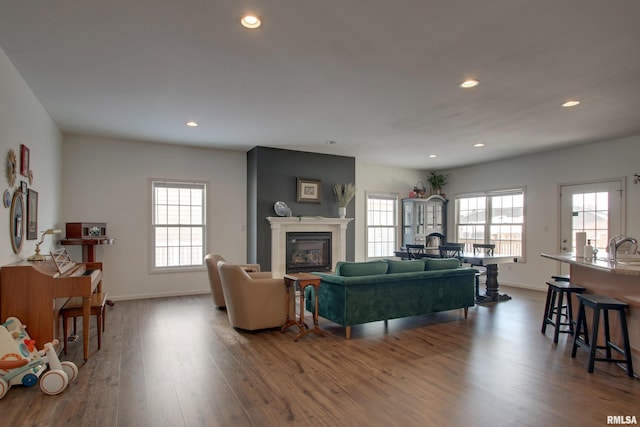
point(37, 256)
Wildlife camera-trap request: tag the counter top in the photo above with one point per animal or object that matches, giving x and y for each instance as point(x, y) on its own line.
point(629, 267)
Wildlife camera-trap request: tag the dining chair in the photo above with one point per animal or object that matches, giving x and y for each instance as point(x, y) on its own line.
point(451, 250)
point(415, 251)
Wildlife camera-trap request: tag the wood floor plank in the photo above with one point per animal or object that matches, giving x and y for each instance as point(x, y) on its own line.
point(177, 362)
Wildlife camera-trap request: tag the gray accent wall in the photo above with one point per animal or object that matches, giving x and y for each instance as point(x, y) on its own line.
point(272, 176)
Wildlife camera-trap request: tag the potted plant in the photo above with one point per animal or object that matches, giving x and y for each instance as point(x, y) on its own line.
point(437, 181)
point(344, 194)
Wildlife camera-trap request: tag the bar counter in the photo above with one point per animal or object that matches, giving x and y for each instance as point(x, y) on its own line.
point(619, 280)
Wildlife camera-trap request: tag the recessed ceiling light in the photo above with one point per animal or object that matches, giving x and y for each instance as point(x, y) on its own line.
point(192, 124)
point(469, 83)
point(330, 142)
point(433, 156)
point(571, 103)
point(478, 145)
point(250, 21)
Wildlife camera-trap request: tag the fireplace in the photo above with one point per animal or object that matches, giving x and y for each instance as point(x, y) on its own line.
point(308, 251)
point(282, 225)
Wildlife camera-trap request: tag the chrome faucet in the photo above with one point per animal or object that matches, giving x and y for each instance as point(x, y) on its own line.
point(616, 242)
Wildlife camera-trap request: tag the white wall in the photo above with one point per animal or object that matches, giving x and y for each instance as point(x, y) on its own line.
point(23, 120)
point(383, 179)
point(108, 180)
point(542, 174)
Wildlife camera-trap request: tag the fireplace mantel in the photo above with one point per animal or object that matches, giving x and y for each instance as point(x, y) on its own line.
point(280, 226)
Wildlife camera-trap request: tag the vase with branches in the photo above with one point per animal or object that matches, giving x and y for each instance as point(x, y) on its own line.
point(344, 194)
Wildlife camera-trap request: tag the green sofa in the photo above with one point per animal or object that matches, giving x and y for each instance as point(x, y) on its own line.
point(361, 292)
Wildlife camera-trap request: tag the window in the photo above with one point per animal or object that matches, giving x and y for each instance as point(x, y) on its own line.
point(493, 217)
point(382, 225)
point(178, 225)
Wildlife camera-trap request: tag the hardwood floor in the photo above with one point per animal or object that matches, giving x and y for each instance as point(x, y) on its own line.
point(177, 362)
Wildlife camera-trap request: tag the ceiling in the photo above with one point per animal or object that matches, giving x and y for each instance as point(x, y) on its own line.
point(378, 77)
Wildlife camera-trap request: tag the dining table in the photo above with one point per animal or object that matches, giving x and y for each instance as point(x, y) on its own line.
point(490, 262)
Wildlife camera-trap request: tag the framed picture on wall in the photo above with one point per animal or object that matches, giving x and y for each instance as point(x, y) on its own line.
point(308, 190)
point(32, 215)
point(24, 160)
point(17, 221)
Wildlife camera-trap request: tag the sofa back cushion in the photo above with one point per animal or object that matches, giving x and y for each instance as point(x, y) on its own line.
point(409, 266)
point(369, 268)
point(441, 263)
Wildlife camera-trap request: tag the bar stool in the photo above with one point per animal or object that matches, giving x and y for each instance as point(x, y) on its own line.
point(601, 303)
point(555, 306)
point(73, 309)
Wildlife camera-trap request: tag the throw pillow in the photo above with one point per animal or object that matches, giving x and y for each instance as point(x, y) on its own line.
point(409, 266)
point(369, 268)
point(441, 263)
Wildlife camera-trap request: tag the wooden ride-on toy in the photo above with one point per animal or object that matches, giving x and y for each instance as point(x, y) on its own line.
point(22, 364)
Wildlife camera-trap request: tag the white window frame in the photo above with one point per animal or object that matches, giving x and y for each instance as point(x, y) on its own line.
point(485, 221)
point(393, 229)
point(198, 230)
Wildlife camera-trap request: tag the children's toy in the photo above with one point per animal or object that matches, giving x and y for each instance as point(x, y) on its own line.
point(22, 363)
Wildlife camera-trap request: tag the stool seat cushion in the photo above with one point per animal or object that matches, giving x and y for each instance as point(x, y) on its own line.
point(97, 300)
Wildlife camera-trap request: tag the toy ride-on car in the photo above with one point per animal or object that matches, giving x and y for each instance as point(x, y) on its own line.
point(22, 364)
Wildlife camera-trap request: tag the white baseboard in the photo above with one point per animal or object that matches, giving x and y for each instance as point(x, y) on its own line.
point(541, 288)
point(159, 295)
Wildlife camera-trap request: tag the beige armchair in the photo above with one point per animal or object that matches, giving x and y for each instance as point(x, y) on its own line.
point(211, 260)
point(255, 302)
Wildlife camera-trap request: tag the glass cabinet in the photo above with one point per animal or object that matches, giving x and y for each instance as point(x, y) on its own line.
point(421, 217)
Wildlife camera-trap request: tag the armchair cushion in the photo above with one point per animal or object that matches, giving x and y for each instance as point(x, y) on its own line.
point(255, 303)
point(211, 261)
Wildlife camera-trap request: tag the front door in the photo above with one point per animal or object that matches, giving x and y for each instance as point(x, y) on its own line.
point(594, 208)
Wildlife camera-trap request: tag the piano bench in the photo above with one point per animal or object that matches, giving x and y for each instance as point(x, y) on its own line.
point(73, 309)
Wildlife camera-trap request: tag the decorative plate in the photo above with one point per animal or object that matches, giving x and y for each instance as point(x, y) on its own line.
point(281, 209)
point(12, 166)
point(7, 198)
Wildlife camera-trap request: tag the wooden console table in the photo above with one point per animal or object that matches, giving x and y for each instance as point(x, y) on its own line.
point(88, 246)
point(303, 280)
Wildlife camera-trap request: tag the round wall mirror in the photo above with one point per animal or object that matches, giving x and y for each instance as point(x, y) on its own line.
point(17, 221)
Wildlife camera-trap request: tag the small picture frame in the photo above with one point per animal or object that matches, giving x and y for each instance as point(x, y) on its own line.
point(24, 160)
point(32, 215)
point(308, 190)
point(23, 187)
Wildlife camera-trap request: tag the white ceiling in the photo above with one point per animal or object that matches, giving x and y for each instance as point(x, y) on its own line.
point(380, 77)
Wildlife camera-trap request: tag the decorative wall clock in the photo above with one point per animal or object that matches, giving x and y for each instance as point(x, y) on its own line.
point(12, 165)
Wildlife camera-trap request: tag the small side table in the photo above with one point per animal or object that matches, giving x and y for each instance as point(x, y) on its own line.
point(303, 280)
